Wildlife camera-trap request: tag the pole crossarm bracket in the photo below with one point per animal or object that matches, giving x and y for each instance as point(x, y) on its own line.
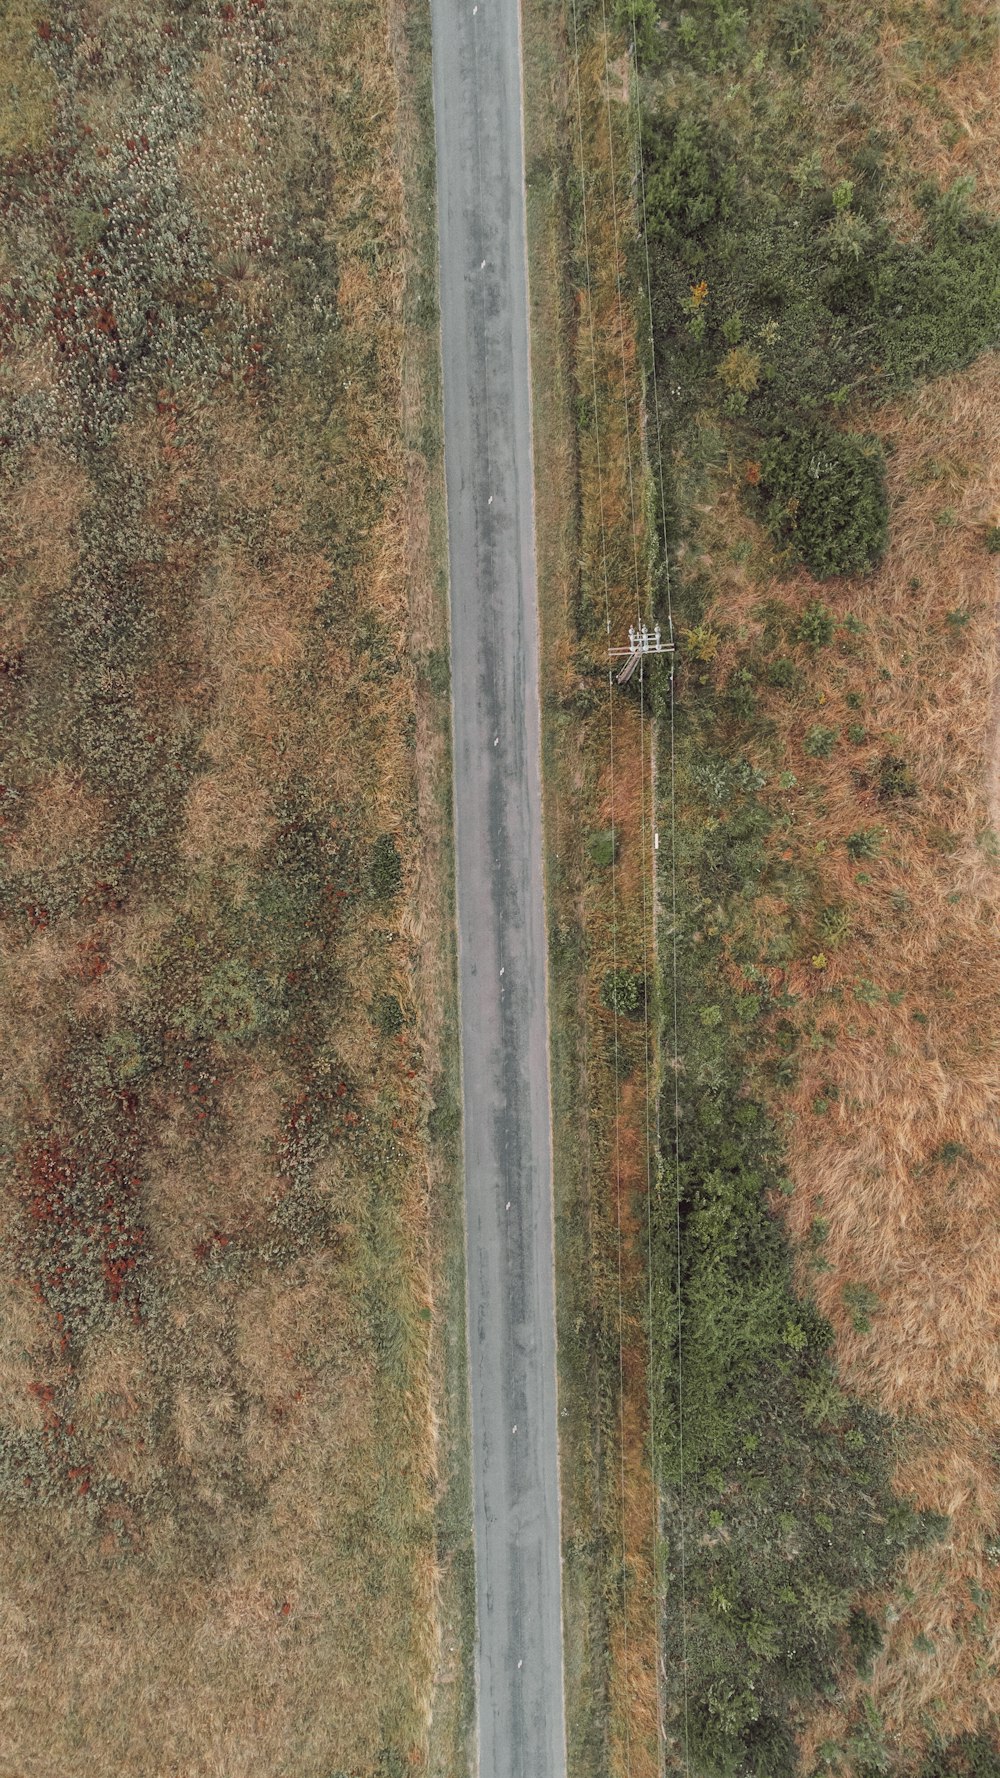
point(641, 641)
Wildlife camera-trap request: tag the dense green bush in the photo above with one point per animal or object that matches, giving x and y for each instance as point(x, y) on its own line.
point(823, 493)
point(866, 1639)
point(819, 741)
point(779, 295)
point(808, 277)
point(865, 843)
point(776, 296)
point(895, 778)
point(691, 184)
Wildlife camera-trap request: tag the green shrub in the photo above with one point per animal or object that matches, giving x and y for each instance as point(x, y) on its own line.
point(690, 184)
point(970, 1756)
point(866, 1639)
point(796, 23)
point(894, 778)
point(603, 848)
point(622, 993)
point(815, 626)
point(865, 843)
point(862, 1304)
point(834, 926)
point(750, 249)
point(823, 493)
point(992, 540)
point(782, 673)
point(740, 693)
point(937, 303)
point(385, 870)
point(819, 741)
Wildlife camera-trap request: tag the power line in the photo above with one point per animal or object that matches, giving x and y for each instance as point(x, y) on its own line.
point(611, 768)
point(675, 1060)
point(642, 855)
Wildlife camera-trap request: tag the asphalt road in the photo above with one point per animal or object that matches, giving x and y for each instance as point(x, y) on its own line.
point(501, 921)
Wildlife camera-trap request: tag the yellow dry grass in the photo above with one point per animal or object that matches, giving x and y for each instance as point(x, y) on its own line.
point(27, 114)
point(61, 816)
point(902, 1165)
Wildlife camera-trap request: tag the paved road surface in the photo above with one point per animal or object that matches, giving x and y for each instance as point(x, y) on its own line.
point(477, 97)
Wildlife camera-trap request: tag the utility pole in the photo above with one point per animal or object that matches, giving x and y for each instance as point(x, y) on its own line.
point(640, 642)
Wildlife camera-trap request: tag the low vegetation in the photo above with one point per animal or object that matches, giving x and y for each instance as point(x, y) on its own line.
point(591, 523)
point(824, 303)
point(217, 1455)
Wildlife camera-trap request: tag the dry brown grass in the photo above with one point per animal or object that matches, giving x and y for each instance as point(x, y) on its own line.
point(37, 539)
point(941, 125)
point(913, 1066)
point(194, 1191)
point(927, 85)
point(61, 815)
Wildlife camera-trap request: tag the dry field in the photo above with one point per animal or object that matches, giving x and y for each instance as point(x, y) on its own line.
point(217, 1449)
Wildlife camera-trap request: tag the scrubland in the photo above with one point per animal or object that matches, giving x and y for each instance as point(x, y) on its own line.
point(823, 232)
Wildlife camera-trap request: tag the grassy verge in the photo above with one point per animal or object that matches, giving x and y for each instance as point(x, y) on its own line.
point(556, 520)
point(230, 1529)
point(451, 1750)
point(838, 1484)
point(596, 902)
